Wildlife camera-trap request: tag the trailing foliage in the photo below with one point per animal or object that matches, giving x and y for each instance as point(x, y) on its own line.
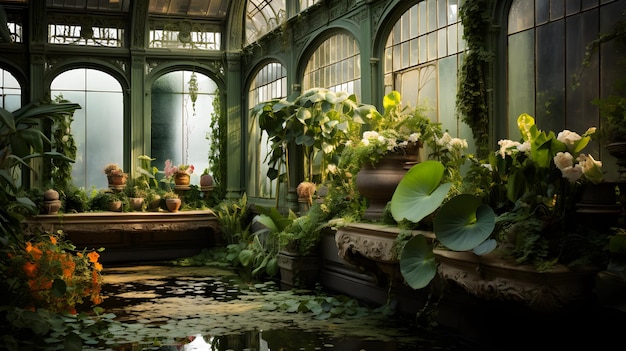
point(471, 99)
point(217, 149)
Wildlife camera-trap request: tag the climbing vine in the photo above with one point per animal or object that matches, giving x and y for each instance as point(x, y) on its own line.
point(217, 148)
point(62, 142)
point(471, 100)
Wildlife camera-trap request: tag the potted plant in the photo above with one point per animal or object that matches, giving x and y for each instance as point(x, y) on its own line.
point(115, 176)
point(181, 174)
point(172, 201)
point(137, 196)
point(319, 120)
point(384, 153)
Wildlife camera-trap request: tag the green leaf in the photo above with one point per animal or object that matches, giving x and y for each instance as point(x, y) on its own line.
point(420, 192)
point(58, 288)
point(417, 263)
point(464, 223)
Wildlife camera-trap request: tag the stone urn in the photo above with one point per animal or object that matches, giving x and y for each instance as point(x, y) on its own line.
point(51, 201)
point(377, 182)
point(206, 182)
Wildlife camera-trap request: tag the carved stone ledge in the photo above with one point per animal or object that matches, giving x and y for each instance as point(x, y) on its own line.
point(492, 278)
point(135, 236)
point(371, 248)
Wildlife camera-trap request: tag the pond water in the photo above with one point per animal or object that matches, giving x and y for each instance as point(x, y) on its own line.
point(159, 307)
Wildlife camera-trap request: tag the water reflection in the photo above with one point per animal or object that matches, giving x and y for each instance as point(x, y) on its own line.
point(176, 310)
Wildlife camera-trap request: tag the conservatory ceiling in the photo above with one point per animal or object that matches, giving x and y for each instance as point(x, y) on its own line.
point(262, 16)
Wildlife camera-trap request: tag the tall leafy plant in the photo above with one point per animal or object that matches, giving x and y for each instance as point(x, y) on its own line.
point(319, 120)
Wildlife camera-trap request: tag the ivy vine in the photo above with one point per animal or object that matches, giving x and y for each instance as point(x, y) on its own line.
point(62, 142)
point(217, 148)
point(471, 99)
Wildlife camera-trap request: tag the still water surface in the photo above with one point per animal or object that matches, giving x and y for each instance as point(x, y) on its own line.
point(210, 309)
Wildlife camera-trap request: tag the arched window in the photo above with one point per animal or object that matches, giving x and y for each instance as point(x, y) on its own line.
point(10, 91)
point(269, 83)
point(181, 120)
point(98, 127)
point(422, 58)
point(335, 65)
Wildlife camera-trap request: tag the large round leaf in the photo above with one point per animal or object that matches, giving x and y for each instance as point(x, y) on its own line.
point(420, 192)
point(464, 223)
point(417, 263)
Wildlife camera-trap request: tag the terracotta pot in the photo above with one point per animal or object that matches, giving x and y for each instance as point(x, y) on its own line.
point(378, 182)
point(136, 203)
point(182, 179)
point(50, 195)
point(115, 206)
point(173, 205)
point(117, 179)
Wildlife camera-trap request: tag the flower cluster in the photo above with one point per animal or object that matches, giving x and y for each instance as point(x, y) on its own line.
point(398, 129)
point(587, 166)
point(451, 153)
point(544, 150)
point(171, 170)
point(54, 276)
point(536, 185)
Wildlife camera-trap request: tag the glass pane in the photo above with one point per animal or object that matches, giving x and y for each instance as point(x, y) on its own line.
point(542, 14)
point(557, 9)
point(69, 80)
point(521, 79)
point(550, 76)
point(100, 116)
point(179, 126)
point(10, 91)
point(101, 81)
point(105, 119)
point(521, 15)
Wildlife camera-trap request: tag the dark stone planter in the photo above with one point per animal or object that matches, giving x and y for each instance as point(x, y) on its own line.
point(298, 271)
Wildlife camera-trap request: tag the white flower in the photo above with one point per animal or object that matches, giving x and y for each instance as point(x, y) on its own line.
point(591, 168)
point(458, 143)
point(508, 146)
point(568, 138)
point(365, 141)
point(332, 168)
point(445, 139)
point(563, 160)
point(414, 137)
point(370, 135)
point(525, 147)
point(572, 173)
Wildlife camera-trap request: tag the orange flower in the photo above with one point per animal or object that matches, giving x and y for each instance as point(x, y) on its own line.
point(34, 251)
point(68, 269)
point(30, 269)
point(97, 266)
point(79, 254)
point(93, 256)
point(53, 240)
